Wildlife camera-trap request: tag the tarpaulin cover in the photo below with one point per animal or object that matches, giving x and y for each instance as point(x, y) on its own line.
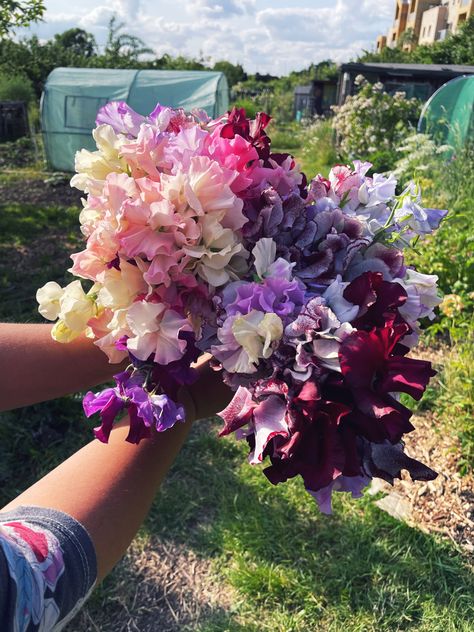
point(72, 97)
point(448, 115)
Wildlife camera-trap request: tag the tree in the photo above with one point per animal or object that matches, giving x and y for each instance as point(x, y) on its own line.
point(234, 72)
point(16, 14)
point(122, 47)
point(77, 41)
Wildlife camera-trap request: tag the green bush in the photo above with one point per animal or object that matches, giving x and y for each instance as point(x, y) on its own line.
point(16, 88)
point(249, 106)
point(372, 124)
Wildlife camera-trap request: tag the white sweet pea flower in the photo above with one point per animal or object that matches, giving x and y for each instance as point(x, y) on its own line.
point(156, 330)
point(422, 295)
point(264, 253)
point(49, 297)
point(214, 254)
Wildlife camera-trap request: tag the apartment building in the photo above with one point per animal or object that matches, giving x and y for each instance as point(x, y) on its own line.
point(425, 22)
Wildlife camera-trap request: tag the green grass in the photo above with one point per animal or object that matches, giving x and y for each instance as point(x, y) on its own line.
point(293, 569)
point(288, 567)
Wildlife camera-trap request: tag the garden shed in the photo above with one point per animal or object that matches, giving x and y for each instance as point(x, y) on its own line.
point(72, 97)
point(416, 80)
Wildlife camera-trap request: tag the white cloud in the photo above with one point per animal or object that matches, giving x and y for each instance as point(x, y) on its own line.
point(262, 36)
point(222, 9)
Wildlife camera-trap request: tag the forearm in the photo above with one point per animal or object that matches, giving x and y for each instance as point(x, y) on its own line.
point(36, 368)
point(109, 487)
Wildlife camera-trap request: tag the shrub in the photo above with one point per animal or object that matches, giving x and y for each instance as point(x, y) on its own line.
point(16, 88)
point(372, 124)
point(249, 106)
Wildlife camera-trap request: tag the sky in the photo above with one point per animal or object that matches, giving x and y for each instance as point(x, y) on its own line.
point(275, 36)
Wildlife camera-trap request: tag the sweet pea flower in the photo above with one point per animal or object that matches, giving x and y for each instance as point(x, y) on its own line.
point(93, 166)
point(120, 117)
point(422, 296)
point(77, 307)
point(246, 339)
point(411, 215)
point(120, 287)
point(377, 190)
point(156, 332)
point(334, 298)
point(49, 297)
point(214, 254)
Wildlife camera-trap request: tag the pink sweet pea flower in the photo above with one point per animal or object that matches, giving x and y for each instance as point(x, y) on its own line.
point(156, 332)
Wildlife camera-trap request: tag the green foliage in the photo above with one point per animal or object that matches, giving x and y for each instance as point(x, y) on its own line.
point(249, 106)
point(78, 42)
point(372, 124)
point(319, 152)
point(123, 49)
point(14, 14)
point(449, 253)
point(20, 153)
point(455, 403)
point(16, 88)
point(233, 72)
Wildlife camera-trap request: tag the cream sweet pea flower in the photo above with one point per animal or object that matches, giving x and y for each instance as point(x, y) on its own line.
point(93, 166)
point(76, 307)
point(118, 288)
point(49, 297)
point(219, 245)
point(255, 332)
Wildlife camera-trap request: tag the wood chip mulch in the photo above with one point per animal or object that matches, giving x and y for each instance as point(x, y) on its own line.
point(445, 505)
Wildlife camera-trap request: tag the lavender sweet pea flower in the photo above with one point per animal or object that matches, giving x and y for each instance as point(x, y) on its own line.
point(121, 118)
point(377, 190)
point(352, 484)
point(422, 221)
point(166, 412)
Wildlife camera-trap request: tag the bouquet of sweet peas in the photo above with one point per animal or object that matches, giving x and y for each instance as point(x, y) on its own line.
point(200, 239)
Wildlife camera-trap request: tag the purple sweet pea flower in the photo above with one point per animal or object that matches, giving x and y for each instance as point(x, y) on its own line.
point(274, 295)
point(121, 117)
point(144, 409)
point(109, 403)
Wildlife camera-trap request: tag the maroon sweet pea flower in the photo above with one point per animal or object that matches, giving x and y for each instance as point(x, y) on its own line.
point(378, 301)
point(372, 370)
point(252, 131)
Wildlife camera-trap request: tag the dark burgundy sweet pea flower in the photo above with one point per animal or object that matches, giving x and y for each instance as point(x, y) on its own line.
point(386, 461)
point(251, 130)
point(320, 455)
point(372, 370)
point(378, 301)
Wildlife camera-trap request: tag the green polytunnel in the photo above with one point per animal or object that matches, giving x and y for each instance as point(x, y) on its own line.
point(448, 116)
point(72, 97)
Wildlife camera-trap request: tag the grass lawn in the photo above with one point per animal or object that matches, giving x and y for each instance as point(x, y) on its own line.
point(265, 558)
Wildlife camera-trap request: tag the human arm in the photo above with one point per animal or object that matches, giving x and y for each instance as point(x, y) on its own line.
point(36, 368)
point(109, 488)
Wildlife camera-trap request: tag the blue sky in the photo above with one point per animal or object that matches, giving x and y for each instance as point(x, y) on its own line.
point(266, 36)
